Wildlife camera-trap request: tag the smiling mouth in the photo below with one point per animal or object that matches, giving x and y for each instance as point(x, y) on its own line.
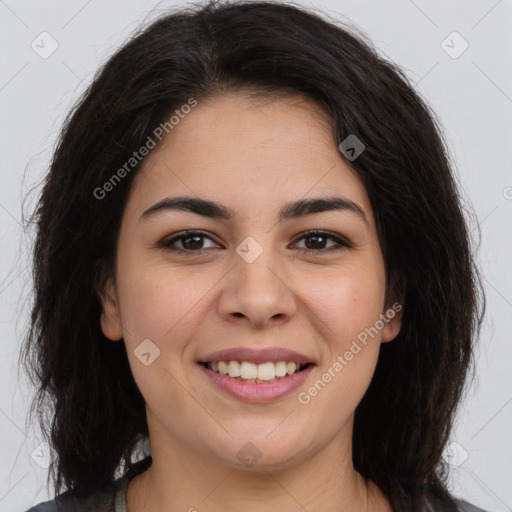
point(245, 371)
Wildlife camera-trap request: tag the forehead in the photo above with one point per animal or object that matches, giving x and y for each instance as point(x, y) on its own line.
point(251, 153)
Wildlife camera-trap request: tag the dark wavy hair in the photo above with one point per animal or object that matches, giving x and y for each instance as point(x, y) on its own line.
point(88, 404)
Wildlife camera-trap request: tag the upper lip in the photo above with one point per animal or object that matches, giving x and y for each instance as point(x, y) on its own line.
point(257, 355)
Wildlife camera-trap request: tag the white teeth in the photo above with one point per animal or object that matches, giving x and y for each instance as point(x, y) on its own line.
point(248, 370)
point(280, 369)
point(255, 372)
point(233, 369)
point(266, 371)
point(290, 368)
point(223, 367)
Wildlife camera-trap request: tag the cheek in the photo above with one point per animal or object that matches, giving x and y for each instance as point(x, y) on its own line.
point(346, 303)
point(346, 314)
point(161, 304)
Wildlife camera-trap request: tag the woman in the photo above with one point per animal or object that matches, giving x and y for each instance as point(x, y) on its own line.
point(251, 251)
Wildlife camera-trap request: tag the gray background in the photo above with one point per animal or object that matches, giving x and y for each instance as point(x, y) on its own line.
point(472, 95)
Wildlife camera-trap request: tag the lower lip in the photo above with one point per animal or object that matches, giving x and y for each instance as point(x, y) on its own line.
point(257, 392)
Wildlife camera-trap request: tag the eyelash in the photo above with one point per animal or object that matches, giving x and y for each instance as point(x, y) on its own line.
point(167, 243)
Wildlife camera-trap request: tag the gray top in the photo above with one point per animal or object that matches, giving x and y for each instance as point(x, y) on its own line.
point(115, 501)
point(120, 501)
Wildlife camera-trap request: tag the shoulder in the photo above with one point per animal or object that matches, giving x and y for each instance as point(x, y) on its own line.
point(99, 501)
point(434, 503)
point(464, 506)
point(110, 498)
point(47, 506)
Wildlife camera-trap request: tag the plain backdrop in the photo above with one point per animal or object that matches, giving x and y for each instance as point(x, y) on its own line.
point(458, 55)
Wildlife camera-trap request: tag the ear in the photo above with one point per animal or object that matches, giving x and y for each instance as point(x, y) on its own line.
point(110, 318)
point(393, 309)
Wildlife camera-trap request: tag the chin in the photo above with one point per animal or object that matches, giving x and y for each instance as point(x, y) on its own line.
point(260, 454)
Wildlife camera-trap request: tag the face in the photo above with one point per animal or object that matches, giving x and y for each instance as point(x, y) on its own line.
point(257, 282)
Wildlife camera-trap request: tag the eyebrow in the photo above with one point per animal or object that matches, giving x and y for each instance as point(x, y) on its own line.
point(292, 210)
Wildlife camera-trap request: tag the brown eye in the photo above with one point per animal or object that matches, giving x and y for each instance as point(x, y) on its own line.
point(191, 242)
point(316, 241)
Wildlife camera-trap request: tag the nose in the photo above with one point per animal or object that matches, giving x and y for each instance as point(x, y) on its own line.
point(259, 293)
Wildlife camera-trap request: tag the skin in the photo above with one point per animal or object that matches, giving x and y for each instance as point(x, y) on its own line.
point(252, 155)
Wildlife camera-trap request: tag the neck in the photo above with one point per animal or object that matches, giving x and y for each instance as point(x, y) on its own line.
point(181, 479)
